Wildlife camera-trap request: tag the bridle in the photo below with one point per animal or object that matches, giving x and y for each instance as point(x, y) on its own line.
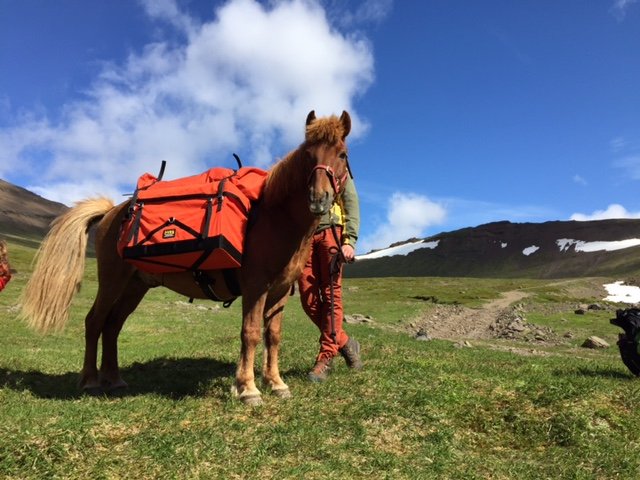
point(337, 183)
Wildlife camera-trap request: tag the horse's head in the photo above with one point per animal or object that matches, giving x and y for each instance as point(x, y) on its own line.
point(327, 152)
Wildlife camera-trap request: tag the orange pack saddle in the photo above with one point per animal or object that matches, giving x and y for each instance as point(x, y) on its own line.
point(193, 223)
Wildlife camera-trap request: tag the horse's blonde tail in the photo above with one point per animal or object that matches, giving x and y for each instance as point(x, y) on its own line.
point(59, 266)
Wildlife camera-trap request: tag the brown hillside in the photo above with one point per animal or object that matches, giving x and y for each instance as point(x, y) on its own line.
point(23, 213)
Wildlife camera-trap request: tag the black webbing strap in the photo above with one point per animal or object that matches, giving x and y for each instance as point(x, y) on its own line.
point(161, 173)
point(135, 228)
point(220, 194)
point(205, 233)
point(206, 283)
point(238, 160)
point(134, 197)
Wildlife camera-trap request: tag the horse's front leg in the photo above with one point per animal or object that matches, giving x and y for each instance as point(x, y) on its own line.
point(272, 336)
point(245, 387)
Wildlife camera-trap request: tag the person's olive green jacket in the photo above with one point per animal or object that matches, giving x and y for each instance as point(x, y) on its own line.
point(345, 212)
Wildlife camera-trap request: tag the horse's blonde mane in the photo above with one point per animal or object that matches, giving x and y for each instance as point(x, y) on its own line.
point(292, 171)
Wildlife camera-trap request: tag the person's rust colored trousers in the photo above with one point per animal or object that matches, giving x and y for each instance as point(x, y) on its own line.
point(315, 292)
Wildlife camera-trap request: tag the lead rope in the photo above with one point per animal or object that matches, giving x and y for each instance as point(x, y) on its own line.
point(334, 268)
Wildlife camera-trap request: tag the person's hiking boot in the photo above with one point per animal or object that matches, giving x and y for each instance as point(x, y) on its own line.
point(351, 354)
point(320, 370)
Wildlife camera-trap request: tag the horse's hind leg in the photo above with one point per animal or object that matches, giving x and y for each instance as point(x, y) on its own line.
point(272, 336)
point(106, 302)
point(89, 374)
point(93, 324)
point(130, 298)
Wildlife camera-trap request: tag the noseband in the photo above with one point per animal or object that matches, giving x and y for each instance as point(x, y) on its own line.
point(336, 182)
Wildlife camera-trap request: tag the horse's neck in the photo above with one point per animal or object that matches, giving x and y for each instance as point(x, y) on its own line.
point(286, 195)
point(287, 185)
point(294, 208)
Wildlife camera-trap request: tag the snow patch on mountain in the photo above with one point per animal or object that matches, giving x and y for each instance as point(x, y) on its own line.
point(404, 249)
point(581, 246)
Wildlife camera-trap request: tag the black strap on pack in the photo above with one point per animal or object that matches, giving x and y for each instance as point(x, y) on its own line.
point(134, 200)
point(220, 194)
point(238, 160)
point(161, 173)
point(206, 283)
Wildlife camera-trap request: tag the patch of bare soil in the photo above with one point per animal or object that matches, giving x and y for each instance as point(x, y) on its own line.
point(501, 318)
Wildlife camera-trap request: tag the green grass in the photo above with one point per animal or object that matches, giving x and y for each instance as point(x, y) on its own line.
point(417, 410)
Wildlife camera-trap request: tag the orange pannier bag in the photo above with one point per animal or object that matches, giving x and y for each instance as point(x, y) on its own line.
point(192, 223)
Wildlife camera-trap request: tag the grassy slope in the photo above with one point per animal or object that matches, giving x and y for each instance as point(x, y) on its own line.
point(418, 410)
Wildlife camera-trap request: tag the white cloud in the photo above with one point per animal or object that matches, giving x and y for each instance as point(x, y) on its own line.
point(620, 7)
point(374, 10)
point(241, 82)
point(579, 179)
point(618, 144)
point(168, 10)
point(613, 211)
point(631, 164)
point(408, 215)
point(357, 12)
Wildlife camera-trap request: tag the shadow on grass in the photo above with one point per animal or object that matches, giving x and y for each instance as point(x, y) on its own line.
point(170, 377)
point(598, 372)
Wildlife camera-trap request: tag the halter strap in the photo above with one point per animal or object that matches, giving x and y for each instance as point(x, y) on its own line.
point(336, 183)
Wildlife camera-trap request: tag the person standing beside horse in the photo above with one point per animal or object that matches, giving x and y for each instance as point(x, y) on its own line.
point(5, 270)
point(320, 284)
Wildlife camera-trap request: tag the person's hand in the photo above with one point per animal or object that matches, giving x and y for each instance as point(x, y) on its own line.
point(349, 253)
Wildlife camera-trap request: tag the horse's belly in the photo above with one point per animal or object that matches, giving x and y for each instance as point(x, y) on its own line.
point(184, 284)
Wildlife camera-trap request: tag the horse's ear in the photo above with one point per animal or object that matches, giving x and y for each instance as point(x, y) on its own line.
point(311, 117)
point(346, 123)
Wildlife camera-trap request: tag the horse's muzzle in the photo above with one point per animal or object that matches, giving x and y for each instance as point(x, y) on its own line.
point(320, 205)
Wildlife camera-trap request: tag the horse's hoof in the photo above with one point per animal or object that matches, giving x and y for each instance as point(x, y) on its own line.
point(114, 387)
point(251, 400)
point(94, 391)
point(282, 393)
point(120, 391)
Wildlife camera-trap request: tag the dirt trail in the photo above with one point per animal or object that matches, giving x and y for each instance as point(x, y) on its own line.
point(457, 322)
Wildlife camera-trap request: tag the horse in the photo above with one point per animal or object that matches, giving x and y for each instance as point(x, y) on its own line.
point(298, 190)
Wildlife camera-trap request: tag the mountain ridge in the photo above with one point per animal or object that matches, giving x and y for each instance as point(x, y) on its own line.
point(552, 249)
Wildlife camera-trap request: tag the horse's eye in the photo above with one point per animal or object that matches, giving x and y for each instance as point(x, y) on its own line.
point(344, 156)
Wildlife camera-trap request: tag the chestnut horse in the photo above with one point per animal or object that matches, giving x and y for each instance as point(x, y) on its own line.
point(298, 190)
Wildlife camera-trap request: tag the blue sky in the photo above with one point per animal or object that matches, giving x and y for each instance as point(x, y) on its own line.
point(465, 112)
